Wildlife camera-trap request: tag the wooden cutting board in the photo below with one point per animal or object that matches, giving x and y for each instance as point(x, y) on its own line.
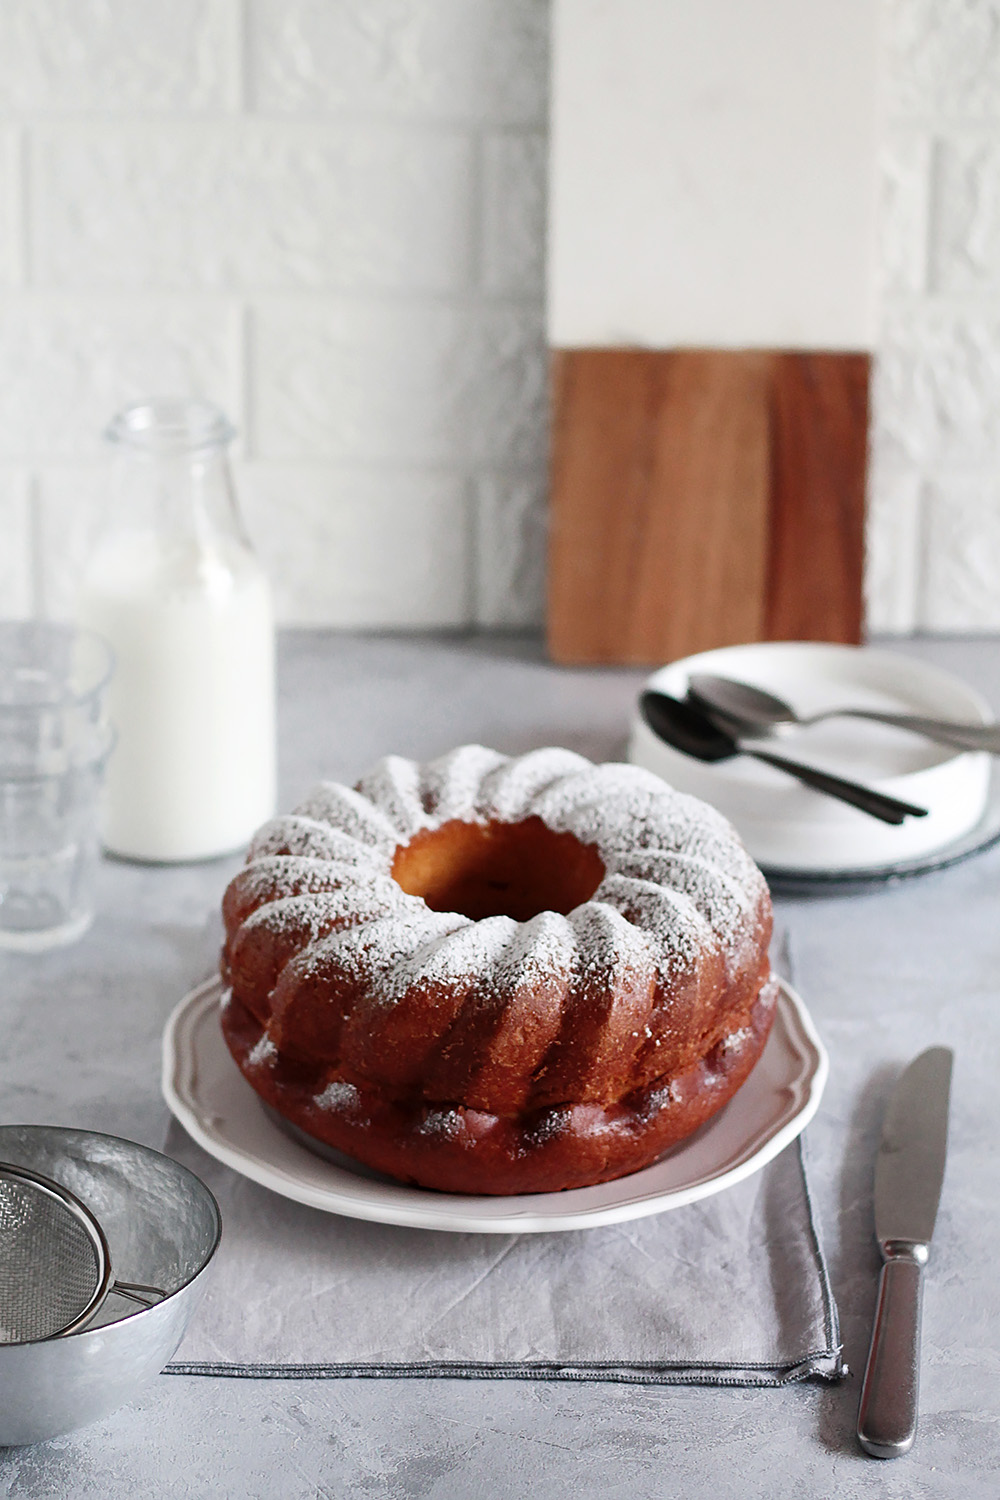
point(702, 498)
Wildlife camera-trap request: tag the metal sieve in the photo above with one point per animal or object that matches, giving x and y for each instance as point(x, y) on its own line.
point(55, 1265)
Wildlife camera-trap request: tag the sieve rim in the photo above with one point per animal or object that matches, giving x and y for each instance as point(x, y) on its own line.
point(74, 1205)
point(19, 1139)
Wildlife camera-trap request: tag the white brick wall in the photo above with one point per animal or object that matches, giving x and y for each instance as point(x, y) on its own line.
point(325, 215)
point(934, 530)
point(328, 216)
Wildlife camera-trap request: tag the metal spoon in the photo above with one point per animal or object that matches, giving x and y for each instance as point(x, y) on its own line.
point(690, 729)
point(761, 712)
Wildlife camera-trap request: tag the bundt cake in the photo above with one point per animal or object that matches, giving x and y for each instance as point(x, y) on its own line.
point(497, 974)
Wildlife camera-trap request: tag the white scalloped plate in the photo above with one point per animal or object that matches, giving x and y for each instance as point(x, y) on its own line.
point(217, 1107)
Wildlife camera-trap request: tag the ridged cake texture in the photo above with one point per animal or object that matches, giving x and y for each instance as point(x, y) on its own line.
point(498, 1053)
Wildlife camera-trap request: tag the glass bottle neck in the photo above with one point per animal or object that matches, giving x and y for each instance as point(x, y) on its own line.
point(168, 424)
point(173, 514)
point(178, 496)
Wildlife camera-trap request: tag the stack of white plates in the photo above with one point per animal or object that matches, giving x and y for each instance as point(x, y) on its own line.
point(794, 831)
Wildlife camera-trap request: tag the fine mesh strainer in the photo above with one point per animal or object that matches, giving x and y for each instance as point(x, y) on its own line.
point(55, 1265)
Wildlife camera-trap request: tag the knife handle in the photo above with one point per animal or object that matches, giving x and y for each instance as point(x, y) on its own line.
point(876, 804)
point(887, 1416)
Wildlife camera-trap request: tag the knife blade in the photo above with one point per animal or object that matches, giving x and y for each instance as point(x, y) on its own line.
point(909, 1172)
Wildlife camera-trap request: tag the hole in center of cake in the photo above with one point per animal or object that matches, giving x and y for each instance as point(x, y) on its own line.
point(498, 869)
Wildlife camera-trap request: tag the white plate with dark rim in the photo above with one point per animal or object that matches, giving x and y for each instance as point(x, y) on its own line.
point(217, 1107)
point(984, 835)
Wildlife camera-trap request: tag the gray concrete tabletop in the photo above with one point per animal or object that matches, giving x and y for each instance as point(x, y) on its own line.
point(885, 972)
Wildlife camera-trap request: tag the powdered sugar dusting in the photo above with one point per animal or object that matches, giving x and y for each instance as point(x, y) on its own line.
point(275, 875)
point(294, 835)
point(509, 792)
point(728, 904)
point(446, 1123)
point(347, 810)
point(669, 918)
point(448, 958)
point(636, 822)
point(541, 949)
point(380, 953)
point(264, 1051)
point(338, 1095)
point(677, 882)
point(450, 786)
point(393, 785)
point(550, 1124)
point(658, 1099)
point(609, 947)
point(316, 912)
point(619, 808)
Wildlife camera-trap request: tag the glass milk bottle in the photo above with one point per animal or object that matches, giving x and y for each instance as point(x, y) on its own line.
point(175, 587)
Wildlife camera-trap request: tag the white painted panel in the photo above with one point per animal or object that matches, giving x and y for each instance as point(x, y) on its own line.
point(713, 173)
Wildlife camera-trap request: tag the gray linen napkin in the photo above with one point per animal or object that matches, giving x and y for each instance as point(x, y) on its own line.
point(732, 1290)
point(728, 1291)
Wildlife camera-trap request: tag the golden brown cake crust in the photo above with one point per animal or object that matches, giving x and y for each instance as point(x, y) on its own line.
point(498, 975)
point(460, 1150)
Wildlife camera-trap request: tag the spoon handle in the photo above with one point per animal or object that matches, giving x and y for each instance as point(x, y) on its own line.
point(888, 809)
point(962, 736)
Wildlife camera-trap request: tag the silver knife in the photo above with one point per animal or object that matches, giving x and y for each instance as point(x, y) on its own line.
point(909, 1172)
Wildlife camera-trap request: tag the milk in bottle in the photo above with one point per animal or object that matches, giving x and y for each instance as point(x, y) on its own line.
point(175, 587)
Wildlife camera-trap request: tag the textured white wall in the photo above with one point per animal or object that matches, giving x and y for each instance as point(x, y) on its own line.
point(328, 216)
point(934, 509)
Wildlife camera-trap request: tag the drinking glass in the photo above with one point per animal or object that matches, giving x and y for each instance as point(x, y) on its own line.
point(54, 744)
